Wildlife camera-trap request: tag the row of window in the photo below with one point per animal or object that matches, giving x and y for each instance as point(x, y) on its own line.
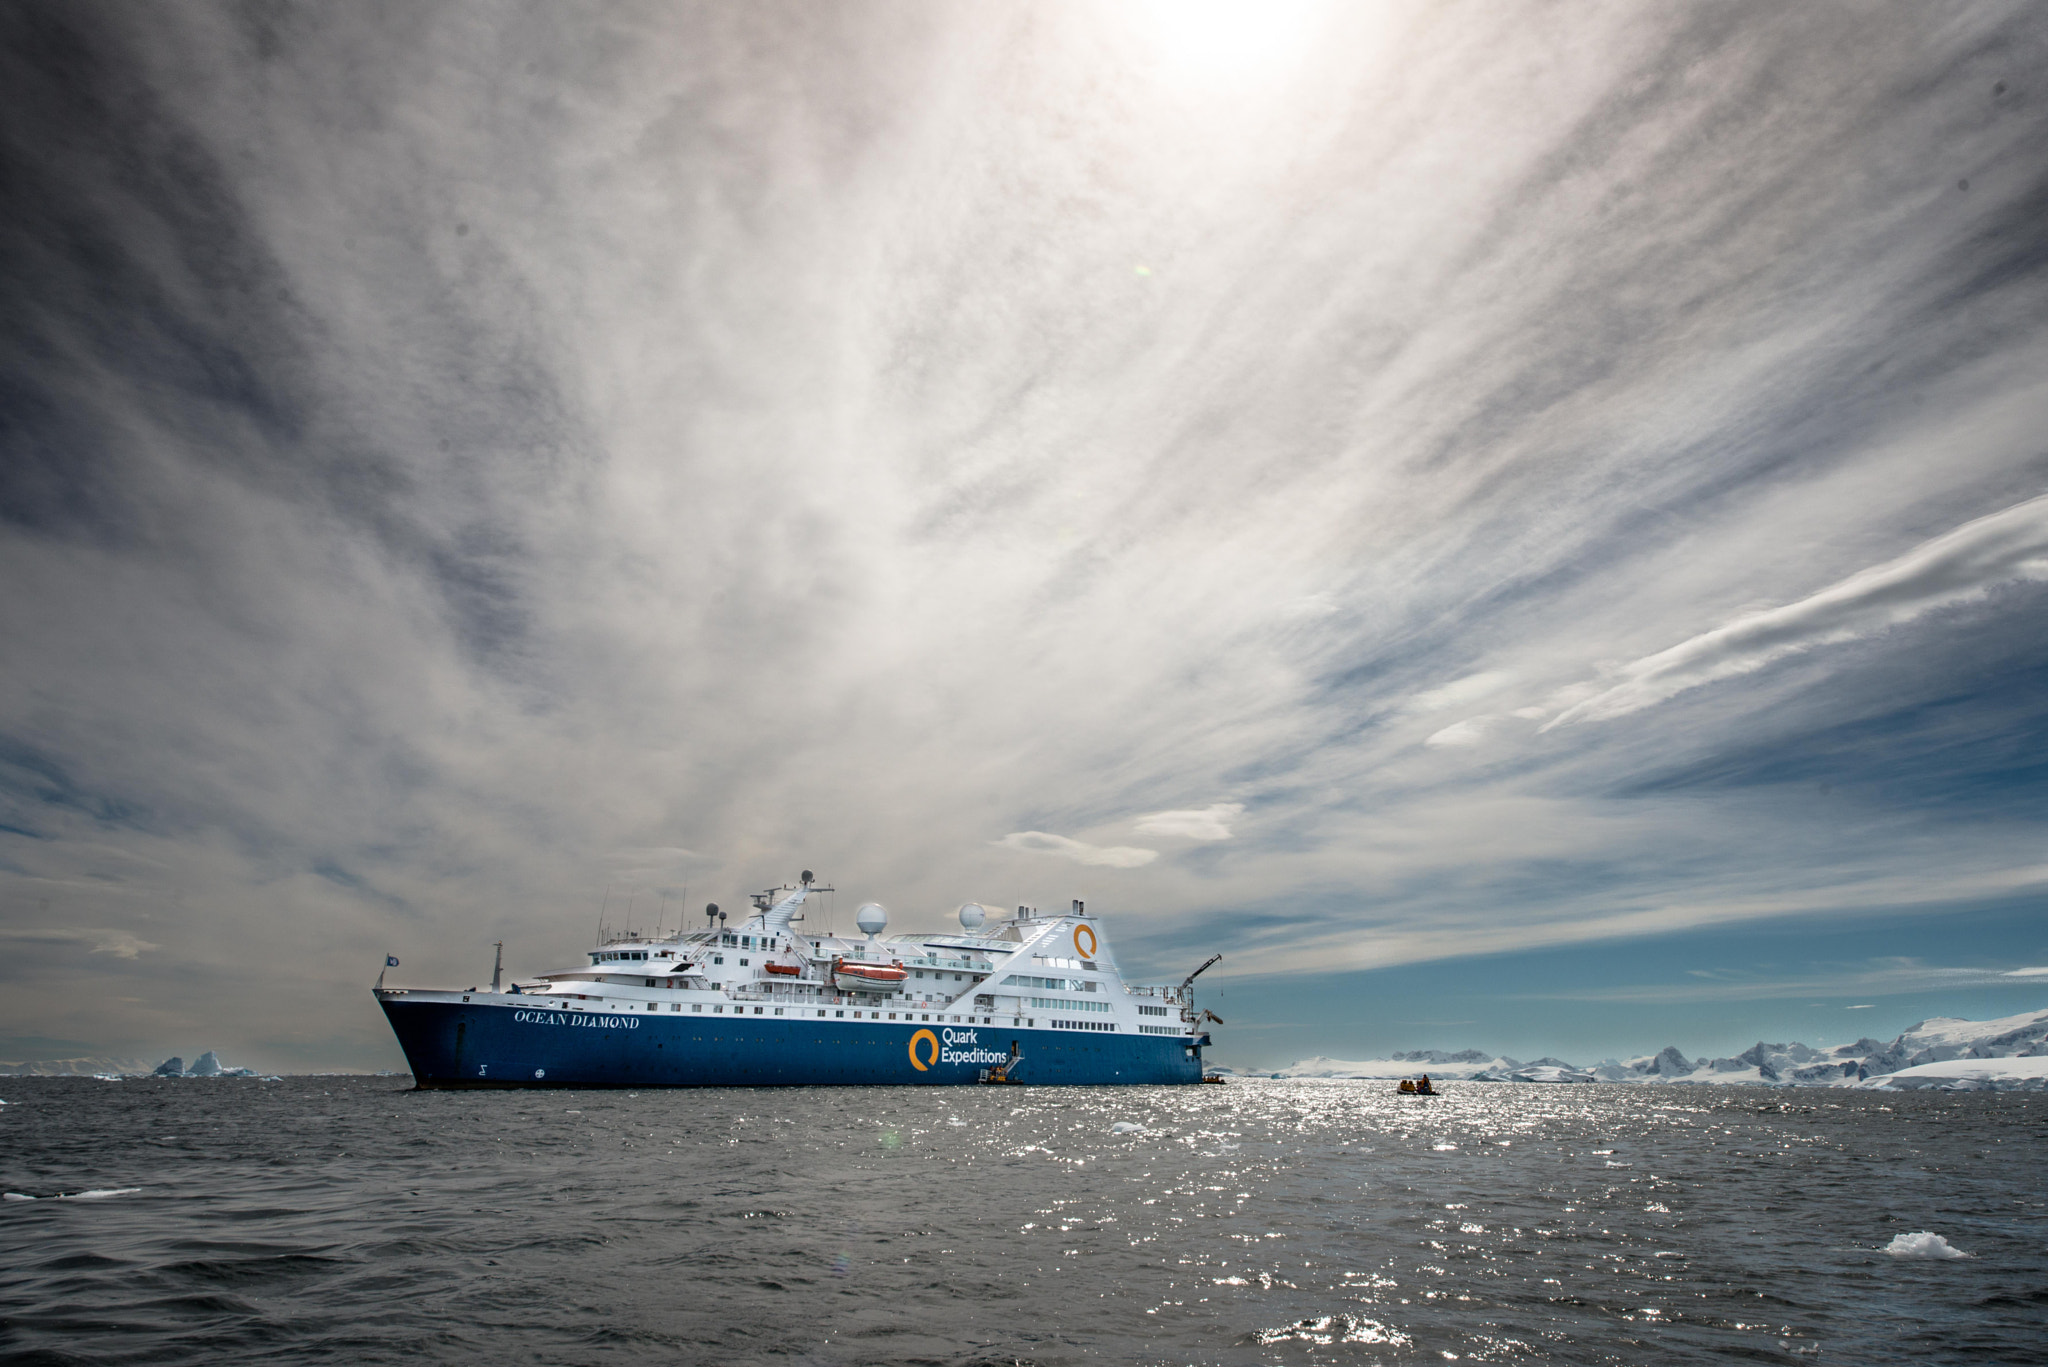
point(1054, 961)
point(1053, 984)
point(1159, 1029)
point(1151, 1010)
point(1084, 1025)
point(1062, 1004)
point(718, 1010)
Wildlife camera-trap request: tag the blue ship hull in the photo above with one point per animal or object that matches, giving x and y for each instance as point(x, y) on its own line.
point(451, 1044)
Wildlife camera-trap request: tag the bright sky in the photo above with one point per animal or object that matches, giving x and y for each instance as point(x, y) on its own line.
point(1548, 503)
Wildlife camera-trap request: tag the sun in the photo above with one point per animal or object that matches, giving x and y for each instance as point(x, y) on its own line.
point(1227, 42)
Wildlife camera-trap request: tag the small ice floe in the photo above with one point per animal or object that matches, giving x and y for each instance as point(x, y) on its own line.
point(1923, 1244)
point(1127, 1127)
point(1330, 1329)
point(97, 1194)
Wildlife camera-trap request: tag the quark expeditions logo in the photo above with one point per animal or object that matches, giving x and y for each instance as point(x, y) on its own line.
point(1087, 933)
point(950, 1052)
point(583, 1018)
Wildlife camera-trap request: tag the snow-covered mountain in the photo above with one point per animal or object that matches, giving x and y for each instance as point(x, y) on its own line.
point(73, 1067)
point(207, 1064)
point(1954, 1055)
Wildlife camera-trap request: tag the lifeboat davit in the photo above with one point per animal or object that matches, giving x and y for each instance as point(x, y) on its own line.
point(851, 977)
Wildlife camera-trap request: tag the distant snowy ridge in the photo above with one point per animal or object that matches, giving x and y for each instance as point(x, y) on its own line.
point(207, 1064)
point(2010, 1053)
point(74, 1067)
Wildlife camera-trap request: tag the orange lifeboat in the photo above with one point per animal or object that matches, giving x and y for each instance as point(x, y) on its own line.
point(783, 970)
point(856, 977)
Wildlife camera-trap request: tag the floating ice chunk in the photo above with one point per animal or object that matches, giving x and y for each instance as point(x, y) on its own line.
point(1126, 1127)
point(1923, 1245)
point(99, 1193)
point(14, 1196)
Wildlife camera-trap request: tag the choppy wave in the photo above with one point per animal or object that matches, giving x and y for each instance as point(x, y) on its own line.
point(1269, 1222)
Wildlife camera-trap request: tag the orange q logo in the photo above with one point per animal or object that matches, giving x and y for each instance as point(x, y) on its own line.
point(924, 1037)
point(1086, 951)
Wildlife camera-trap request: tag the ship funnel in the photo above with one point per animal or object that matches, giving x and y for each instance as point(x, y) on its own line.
point(872, 918)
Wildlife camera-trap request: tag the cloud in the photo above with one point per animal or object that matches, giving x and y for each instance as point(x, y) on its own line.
point(1461, 691)
point(1209, 823)
point(463, 460)
point(119, 943)
point(1470, 731)
point(1960, 565)
point(1887, 977)
point(1111, 856)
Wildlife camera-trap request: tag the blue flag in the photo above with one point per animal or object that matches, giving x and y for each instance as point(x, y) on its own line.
point(390, 962)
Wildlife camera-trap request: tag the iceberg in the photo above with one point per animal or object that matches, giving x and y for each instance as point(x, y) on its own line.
point(1923, 1244)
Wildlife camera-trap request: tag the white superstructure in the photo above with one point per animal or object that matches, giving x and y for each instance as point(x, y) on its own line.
point(1031, 970)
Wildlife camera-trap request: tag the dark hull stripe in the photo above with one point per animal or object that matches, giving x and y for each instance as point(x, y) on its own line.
point(467, 1045)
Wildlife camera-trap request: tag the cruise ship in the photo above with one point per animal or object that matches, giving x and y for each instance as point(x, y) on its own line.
point(1028, 998)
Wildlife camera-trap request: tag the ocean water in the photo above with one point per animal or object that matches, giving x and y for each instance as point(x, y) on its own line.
point(352, 1220)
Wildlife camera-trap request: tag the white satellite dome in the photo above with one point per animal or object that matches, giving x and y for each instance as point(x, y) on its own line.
point(872, 918)
point(972, 915)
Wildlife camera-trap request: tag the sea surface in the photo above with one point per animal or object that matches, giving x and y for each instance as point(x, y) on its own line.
point(353, 1220)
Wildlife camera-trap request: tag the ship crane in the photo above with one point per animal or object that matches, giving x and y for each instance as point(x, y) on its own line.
point(1184, 994)
point(1189, 980)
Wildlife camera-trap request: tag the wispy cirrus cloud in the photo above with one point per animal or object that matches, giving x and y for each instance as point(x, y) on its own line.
point(1961, 565)
point(1080, 851)
point(463, 459)
point(1206, 823)
point(121, 944)
point(1889, 977)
